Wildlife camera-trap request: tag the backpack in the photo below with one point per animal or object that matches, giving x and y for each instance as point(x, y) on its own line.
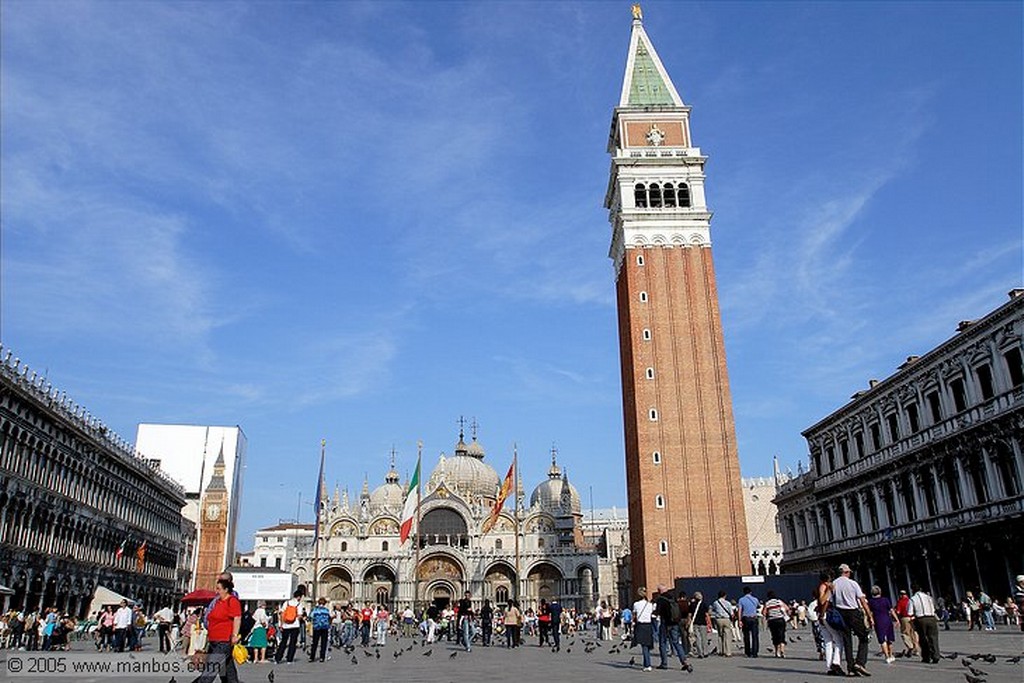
point(290, 614)
point(675, 615)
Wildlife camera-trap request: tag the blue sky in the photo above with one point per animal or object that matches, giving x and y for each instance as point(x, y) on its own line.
point(358, 221)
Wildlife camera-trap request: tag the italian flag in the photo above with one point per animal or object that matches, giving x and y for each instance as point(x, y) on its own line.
point(411, 503)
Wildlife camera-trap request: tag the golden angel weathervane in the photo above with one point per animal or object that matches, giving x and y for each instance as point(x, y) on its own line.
point(637, 12)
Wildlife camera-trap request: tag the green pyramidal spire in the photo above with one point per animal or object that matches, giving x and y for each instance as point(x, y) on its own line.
point(646, 82)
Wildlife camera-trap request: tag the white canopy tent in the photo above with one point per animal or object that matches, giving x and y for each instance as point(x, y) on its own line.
point(103, 597)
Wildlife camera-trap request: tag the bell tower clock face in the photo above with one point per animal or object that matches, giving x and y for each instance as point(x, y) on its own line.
point(213, 512)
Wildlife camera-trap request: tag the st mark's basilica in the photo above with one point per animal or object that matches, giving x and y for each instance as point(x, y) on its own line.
point(361, 557)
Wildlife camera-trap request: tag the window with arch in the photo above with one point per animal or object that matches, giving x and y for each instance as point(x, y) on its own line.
point(640, 196)
point(650, 373)
point(683, 195)
point(663, 547)
point(657, 457)
point(654, 195)
point(497, 544)
point(643, 297)
point(639, 259)
point(653, 414)
point(383, 596)
point(540, 542)
point(383, 546)
point(669, 193)
point(659, 501)
point(501, 595)
point(646, 334)
point(344, 546)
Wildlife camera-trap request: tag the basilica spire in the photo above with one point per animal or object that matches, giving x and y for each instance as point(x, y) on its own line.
point(646, 83)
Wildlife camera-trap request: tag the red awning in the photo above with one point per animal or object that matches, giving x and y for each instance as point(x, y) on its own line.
point(198, 598)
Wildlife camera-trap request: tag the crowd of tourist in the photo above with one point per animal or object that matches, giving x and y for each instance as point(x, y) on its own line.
point(839, 615)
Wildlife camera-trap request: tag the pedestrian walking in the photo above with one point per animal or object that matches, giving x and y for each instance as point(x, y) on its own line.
point(466, 620)
point(749, 607)
point(258, 635)
point(723, 615)
point(884, 616)
point(288, 628)
point(223, 622)
point(853, 605)
point(643, 629)
point(926, 623)
point(555, 609)
point(832, 641)
point(699, 625)
point(907, 634)
point(776, 612)
point(486, 623)
point(669, 615)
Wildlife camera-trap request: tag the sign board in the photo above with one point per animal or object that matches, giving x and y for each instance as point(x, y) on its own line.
point(752, 579)
point(270, 586)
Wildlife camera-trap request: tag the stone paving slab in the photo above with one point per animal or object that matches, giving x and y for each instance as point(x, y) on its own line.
point(448, 663)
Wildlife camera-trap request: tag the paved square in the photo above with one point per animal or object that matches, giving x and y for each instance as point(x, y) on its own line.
point(447, 663)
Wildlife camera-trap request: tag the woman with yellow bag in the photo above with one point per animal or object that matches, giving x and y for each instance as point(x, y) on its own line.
point(223, 624)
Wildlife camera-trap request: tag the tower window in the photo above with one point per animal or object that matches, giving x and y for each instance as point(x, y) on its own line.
point(659, 501)
point(653, 414)
point(643, 297)
point(640, 196)
point(654, 193)
point(657, 457)
point(683, 194)
point(650, 373)
point(663, 547)
point(646, 334)
point(639, 259)
point(670, 195)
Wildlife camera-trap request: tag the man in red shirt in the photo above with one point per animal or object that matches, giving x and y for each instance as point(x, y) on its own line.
point(906, 625)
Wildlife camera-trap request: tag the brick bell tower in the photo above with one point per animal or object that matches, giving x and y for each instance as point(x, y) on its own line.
point(686, 514)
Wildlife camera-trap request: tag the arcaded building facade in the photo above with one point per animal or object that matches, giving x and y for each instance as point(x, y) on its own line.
point(71, 493)
point(919, 477)
point(686, 514)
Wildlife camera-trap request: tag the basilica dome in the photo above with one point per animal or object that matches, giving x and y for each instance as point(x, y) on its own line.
point(389, 494)
point(548, 494)
point(466, 473)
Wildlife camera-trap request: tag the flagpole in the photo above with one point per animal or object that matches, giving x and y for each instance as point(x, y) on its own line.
point(515, 505)
point(416, 538)
point(316, 528)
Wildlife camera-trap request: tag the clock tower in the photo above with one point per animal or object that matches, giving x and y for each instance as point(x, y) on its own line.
point(213, 528)
point(686, 515)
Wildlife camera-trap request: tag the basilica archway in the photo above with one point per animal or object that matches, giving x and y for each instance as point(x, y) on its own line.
point(499, 583)
point(440, 578)
point(544, 580)
point(379, 585)
point(336, 584)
